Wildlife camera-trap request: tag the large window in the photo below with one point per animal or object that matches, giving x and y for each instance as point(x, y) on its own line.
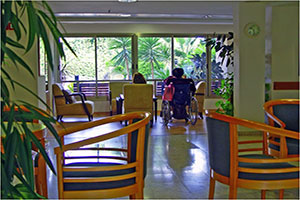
point(99, 59)
point(114, 58)
point(83, 66)
point(154, 57)
point(43, 69)
point(190, 54)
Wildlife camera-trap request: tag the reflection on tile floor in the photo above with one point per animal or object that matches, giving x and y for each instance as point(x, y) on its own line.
point(178, 165)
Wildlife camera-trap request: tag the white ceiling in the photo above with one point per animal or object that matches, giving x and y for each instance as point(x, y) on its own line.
point(143, 9)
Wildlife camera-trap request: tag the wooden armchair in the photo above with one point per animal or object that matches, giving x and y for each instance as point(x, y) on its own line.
point(234, 166)
point(123, 175)
point(200, 95)
point(115, 88)
point(66, 105)
point(283, 113)
point(138, 97)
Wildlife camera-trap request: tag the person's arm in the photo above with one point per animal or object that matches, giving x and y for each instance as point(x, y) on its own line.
point(193, 88)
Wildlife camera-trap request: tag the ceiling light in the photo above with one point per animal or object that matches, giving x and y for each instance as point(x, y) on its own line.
point(127, 1)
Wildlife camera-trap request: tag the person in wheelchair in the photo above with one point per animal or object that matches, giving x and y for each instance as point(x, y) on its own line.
point(184, 90)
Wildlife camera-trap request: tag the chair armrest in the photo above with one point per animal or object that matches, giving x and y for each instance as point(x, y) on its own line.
point(276, 119)
point(82, 95)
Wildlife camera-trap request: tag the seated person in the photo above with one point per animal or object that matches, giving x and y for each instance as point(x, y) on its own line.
point(177, 79)
point(179, 103)
point(138, 78)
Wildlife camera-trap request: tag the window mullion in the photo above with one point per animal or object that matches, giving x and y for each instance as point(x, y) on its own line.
point(134, 53)
point(96, 66)
point(172, 54)
point(208, 71)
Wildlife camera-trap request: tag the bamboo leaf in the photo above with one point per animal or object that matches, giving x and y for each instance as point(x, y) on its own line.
point(50, 11)
point(14, 43)
point(27, 156)
point(10, 149)
point(14, 57)
point(32, 23)
point(37, 143)
point(56, 33)
point(8, 77)
point(46, 43)
point(15, 24)
point(24, 182)
point(4, 91)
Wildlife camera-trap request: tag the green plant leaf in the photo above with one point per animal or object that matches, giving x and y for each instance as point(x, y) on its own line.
point(14, 57)
point(14, 43)
point(11, 146)
point(42, 150)
point(32, 23)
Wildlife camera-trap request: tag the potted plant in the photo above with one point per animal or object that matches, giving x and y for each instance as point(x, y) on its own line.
point(17, 138)
point(224, 45)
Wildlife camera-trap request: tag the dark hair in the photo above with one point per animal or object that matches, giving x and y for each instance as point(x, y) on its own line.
point(177, 72)
point(138, 78)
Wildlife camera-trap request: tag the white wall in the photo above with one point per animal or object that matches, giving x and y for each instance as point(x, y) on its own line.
point(285, 47)
point(249, 62)
point(20, 74)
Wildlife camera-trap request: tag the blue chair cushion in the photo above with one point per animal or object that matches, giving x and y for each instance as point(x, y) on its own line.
point(97, 185)
point(292, 145)
point(273, 176)
point(289, 114)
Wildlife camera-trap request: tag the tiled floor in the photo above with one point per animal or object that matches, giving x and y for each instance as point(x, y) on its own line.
point(177, 164)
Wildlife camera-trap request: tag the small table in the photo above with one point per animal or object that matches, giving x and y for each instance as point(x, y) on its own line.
point(120, 100)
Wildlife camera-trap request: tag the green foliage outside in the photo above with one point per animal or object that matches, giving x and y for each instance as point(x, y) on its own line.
point(154, 57)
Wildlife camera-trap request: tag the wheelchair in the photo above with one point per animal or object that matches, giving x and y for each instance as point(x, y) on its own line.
point(183, 106)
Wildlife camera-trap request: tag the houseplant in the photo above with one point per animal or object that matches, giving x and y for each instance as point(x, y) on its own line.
point(224, 46)
point(16, 139)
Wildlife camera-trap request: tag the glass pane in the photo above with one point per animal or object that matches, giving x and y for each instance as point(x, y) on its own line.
point(114, 58)
point(154, 57)
point(43, 71)
point(81, 67)
point(190, 54)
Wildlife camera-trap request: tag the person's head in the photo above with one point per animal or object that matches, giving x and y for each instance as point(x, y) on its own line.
point(177, 72)
point(138, 78)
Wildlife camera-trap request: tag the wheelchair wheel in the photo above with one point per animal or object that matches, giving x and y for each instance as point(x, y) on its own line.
point(193, 111)
point(166, 112)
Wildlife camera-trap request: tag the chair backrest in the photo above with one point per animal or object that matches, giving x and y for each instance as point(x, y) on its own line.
point(223, 144)
point(116, 88)
point(200, 94)
point(218, 145)
point(58, 95)
point(182, 94)
point(286, 110)
point(106, 180)
point(138, 97)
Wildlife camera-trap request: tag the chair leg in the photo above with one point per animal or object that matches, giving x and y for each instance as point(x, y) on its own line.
point(138, 195)
point(212, 183)
point(232, 192)
point(281, 192)
point(59, 117)
point(201, 115)
point(90, 117)
point(263, 194)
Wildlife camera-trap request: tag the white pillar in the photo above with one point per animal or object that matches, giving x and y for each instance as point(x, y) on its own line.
point(249, 61)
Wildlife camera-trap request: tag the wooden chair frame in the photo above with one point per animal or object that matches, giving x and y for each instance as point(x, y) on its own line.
point(134, 191)
point(269, 138)
point(233, 181)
